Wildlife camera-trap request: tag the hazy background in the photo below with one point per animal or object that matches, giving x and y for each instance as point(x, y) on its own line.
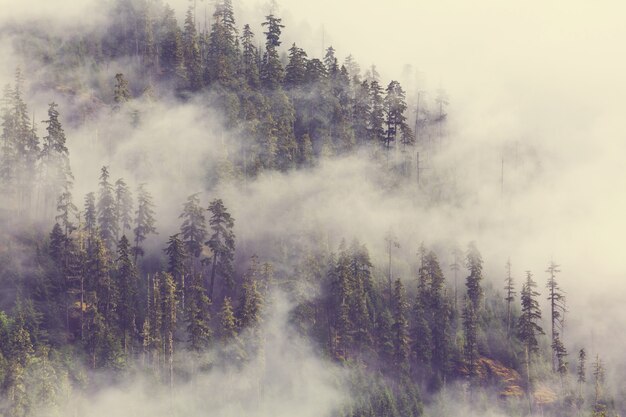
point(538, 84)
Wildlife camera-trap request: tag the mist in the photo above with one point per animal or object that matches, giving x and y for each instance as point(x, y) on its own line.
point(529, 168)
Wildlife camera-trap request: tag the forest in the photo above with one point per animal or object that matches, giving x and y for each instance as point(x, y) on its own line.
point(174, 277)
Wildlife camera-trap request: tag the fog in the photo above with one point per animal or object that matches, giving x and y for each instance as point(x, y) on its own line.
point(532, 162)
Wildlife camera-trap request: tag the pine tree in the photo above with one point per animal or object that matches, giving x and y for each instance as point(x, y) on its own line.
point(169, 308)
point(107, 220)
point(440, 313)
point(250, 306)
point(222, 245)
point(171, 49)
point(272, 69)
point(361, 112)
point(90, 215)
point(121, 93)
point(67, 210)
point(557, 315)
point(420, 331)
point(470, 330)
point(528, 327)
point(599, 407)
point(223, 51)
point(144, 220)
point(191, 53)
point(474, 263)
point(401, 340)
point(228, 322)
point(376, 114)
point(54, 157)
point(472, 307)
point(126, 276)
point(385, 337)
point(581, 374)
point(509, 287)
point(295, 71)
point(250, 59)
point(193, 229)
point(123, 208)
point(197, 315)
point(176, 256)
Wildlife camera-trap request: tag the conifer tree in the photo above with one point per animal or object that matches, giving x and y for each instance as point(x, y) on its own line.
point(250, 59)
point(361, 112)
point(557, 315)
point(228, 322)
point(123, 208)
point(599, 407)
point(144, 220)
point(107, 219)
point(223, 50)
point(472, 307)
point(229, 335)
point(171, 49)
point(509, 287)
point(67, 210)
point(440, 313)
point(528, 327)
point(581, 374)
point(176, 256)
point(401, 340)
point(295, 71)
point(126, 275)
point(193, 229)
point(191, 53)
point(121, 93)
point(376, 114)
point(384, 336)
point(272, 69)
point(222, 245)
point(54, 157)
point(90, 215)
point(169, 308)
point(197, 315)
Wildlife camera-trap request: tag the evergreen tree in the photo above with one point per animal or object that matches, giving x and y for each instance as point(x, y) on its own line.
point(361, 112)
point(193, 229)
point(557, 316)
point(107, 219)
point(176, 256)
point(250, 59)
point(67, 210)
point(440, 313)
point(401, 340)
point(54, 156)
point(474, 263)
point(272, 69)
point(123, 208)
point(470, 330)
point(223, 51)
point(171, 49)
point(90, 215)
point(528, 327)
point(222, 245)
point(121, 93)
point(126, 276)
point(599, 407)
point(144, 220)
point(197, 315)
point(509, 287)
point(168, 321)
point(295, 71)
point(581, 373)
point(191, 53)
point(385, 337)
point(376, 114)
